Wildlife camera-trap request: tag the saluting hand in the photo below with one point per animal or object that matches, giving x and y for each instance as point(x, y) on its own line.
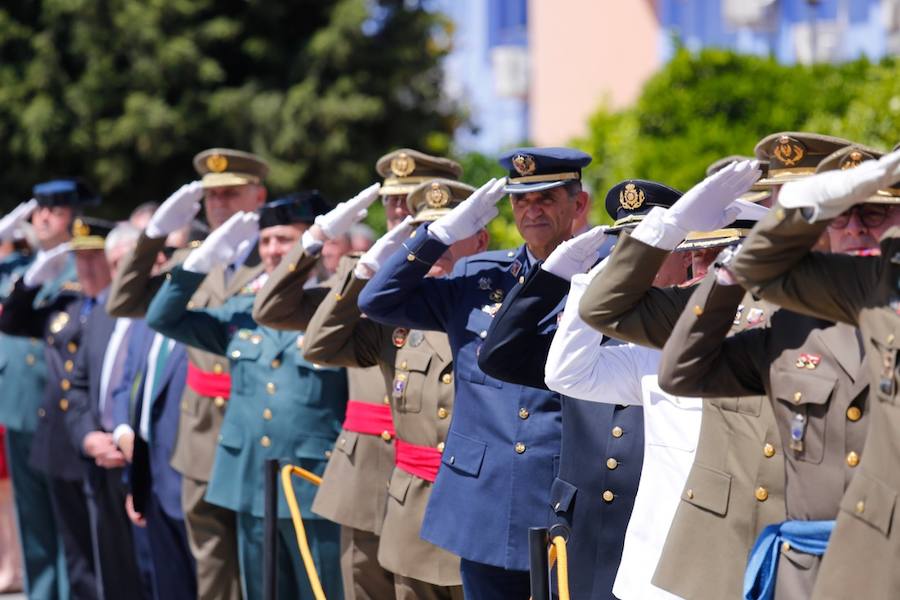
point(345, 215)
point(576, 255)
point(471, 214)
point(12, 221)
point(47, 266)
point(177, 211)
point(371, 261)
point(222, 245)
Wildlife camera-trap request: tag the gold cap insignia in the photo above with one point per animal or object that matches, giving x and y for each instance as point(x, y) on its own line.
point(523, 164)
point(216, 163)
point(402, 165)
point(854, 159)
point(632, 197)
point(80, 228)
point(438, 196)
point(789, 151)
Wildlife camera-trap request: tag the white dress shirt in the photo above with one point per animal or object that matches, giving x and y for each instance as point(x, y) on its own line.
point(109, 359)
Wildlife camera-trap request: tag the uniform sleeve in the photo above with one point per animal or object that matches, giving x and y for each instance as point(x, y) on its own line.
point(401, 295)
point(338, 334)
point(621, 301)
point(579, 367)
point(284, 302)
point(699, 361)
point(79, 418)
point(18, 315)
point(168, 314)
point(775, 263)
point(524, 321)
point(133, 287)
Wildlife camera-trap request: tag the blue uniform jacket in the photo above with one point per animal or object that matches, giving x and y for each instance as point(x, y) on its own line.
point(516, 350)
point(502, 448)
point(281, 406)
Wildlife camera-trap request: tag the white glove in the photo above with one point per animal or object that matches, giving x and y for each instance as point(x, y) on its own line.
point(829, 194)
point(371, 261)
point(177, 211)
point(576, 255)
point(222, 245)
point(345, 215)
point(708, 205)
point(47, 266)
point(12, 221)
point(472, 214)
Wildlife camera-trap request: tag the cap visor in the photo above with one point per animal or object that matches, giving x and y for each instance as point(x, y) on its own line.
point(428, 215)
point(213, 180)
point(524, 188)
point(91, 242)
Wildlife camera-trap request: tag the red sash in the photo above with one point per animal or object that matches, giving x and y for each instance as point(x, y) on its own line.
point(371, 419)
point(421, 461)
point(208, 384)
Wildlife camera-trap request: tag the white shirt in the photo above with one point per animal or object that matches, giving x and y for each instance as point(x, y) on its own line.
point(109, 358)
point(578, 366)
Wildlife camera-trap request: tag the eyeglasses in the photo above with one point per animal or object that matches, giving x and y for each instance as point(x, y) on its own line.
point(870, 215)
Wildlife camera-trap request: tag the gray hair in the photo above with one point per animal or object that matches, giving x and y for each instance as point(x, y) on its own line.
point(123, 233)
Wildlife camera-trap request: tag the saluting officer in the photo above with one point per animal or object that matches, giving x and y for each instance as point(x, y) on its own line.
point(352, 490)
point(498, 462)
point(282, 406)
point(776, 263)
point(231, 181)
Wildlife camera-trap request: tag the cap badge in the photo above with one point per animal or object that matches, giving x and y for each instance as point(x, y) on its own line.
point(632, 197)
point(402, 165)
point(80, 228)
point(854, 159)
point(216, 163)
point(789, 151)
point(524, 164)
point(437, 196)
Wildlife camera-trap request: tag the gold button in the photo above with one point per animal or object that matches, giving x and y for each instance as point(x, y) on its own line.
point(786, 547)
point(689, 494)
point(184, 405)
point(769, 450)
point(42, 413)
point(798, 396)
point(854, 413)
point(235, 354)
point(29, 358)
point(523, 413)
point(68, 366)
point(698, 310)
point(328, 454)
point(608, 496)
point(761, 494)
point(521, 279)
point(65, 385)
point(219, 401)
point(387, 400)
point(860, 507)
point(403, 364)
point(217, 368)
point(852, 459)
point(447, 378)
point(190, 305)
point(520, 448)
point(270, 388)
point(443, 413)
point(386, 435)
point(292, 267)
point(276, 363)
point(72, 347)
point(890, 338)
point(410, 257)
point(611, 463)
point(617, 432)
point(440, 446)
point(338, 296)
point(483, 334)
point(267, 414)
point(265, 442)
point(63, 405)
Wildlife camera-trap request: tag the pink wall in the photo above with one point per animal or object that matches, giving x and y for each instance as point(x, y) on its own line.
point(583, 51)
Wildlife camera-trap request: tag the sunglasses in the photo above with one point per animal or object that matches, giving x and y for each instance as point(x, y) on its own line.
point(870, 215)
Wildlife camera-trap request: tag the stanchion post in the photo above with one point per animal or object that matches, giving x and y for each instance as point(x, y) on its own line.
point(539, 563)
point(270, 548)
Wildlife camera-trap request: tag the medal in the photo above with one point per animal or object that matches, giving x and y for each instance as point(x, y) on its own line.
point(485, 283)
point(416, 338)
point(399, 336)
point(808, 361)
point(399, 386)
point(798, 430)
point(755, 316)
point(738, 314)
point(496, 295)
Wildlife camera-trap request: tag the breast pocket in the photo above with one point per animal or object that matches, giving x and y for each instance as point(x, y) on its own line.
point(410, 370)
point(243, 354)
point(802, 405)
point(467, 361)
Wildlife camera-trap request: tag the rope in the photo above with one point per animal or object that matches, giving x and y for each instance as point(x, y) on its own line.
point(562, 566)
point(291, 497)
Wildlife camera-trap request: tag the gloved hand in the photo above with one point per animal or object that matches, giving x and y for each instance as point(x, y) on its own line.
point(576, 255)
point(177, 211)
point(345, 215)
point(371, 261)
point(18, 215)
point(829, 194)
point(47, 266)
point(472, 214)
point(223, 244)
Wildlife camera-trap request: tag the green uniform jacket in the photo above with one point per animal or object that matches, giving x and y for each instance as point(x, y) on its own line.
point(733, 489)
point(282, 406)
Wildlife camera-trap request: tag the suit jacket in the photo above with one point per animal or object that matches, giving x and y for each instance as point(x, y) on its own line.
point(733, 490)
point(776, 263)
point(527, 320)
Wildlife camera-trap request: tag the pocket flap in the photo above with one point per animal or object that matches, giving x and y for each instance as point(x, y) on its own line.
point(244, 350)
point(464, 454)
point(802, 387)
point(399, 485)
point(708, 488)
point(562, 493)
point(346, 442)
point(231, 436)
point(871, 500)
point(313, 447)
point(413, 361)
point(478, 322)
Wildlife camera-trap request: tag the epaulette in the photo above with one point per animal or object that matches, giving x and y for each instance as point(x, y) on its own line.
point(495, 256)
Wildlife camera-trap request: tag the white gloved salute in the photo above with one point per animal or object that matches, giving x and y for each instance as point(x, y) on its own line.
point(371, 261)
point(339, 219)
point(470, 215)
point(831, 193)
point(222, 245)
point(576, 255)
point(177, 211)
point(47, 266)
point(707, 206)
point(11, 222)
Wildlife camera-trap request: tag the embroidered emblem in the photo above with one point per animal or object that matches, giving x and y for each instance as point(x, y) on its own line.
point(853, 160)
point(399, 336)
point(438, 196)
point(515, 268)
point(632, 197)
point(524, 164)
point(789, 151)
point(216, 163)
point(485, 283)
point(808, 361)
point(402, 165)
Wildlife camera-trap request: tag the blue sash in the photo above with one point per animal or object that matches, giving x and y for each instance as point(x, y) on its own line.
point(809, 537)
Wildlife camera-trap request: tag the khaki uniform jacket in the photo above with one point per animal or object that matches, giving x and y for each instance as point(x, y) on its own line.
point(733, 490)
point(420, 375)
point(201, 416)
point(775, 262)
point(354, 483)
point(811, 370)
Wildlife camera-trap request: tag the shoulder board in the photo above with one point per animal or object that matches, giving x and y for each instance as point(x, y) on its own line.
point(494, 256)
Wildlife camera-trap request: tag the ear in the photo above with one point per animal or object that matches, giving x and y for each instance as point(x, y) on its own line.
point(262, 194)
point(482, 238)
point(582, 203)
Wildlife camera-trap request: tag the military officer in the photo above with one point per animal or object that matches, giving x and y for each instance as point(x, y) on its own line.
point(418, 368)
point(282, 406)
point(352, 490)
point(498, 461)
point(776, 263)
point(231, 181)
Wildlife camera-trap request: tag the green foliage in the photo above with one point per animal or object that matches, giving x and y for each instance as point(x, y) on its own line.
point(125, 92)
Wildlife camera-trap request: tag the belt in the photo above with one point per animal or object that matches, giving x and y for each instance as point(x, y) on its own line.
point(208, 384)
point(370, 419)
point(809, 537)
point(421, 461)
